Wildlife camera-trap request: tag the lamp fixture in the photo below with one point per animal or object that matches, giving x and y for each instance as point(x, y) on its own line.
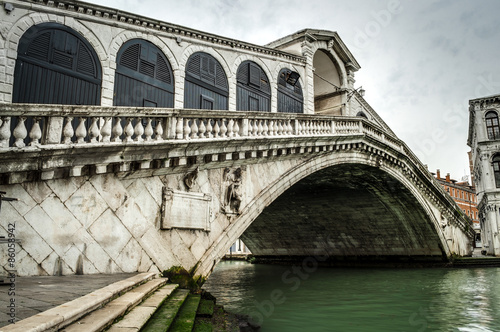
point(359, 90)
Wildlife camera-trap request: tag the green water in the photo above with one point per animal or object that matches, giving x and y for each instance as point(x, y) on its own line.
point(306, 298)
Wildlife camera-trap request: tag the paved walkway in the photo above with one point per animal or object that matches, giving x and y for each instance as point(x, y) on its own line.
point(37, 294)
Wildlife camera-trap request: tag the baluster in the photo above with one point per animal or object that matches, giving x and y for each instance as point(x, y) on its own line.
point(35, 133)
point(265, 128)
point(148, 131)
point(260, 128)
point(68, 131)
point(106, 130)
point(299, 127)
point(117, 130)
point(209, 129)
point(223, 128)
point(129, 131)
point(236, 129)
point(159, 130)
point(5, 132)
point(216, 129)
point(230, 125)
point(178, 128)
point(94, 130)
point(255, 127)
point(20, 132)
point(202, 129)
point(272, 129)
point(81, 131)
point(194, 129)
point(289, 127)
point(187, 129)
point(280, 128)
point(138, 130)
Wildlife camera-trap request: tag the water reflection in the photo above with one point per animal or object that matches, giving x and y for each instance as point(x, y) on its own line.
point(284, 298)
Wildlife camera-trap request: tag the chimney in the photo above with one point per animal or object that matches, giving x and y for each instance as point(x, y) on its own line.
point(438, 174)
point(448, 177)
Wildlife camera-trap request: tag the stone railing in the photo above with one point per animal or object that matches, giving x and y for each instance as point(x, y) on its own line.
point(37, 126)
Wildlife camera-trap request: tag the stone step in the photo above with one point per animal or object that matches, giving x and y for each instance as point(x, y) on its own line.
point(140, 315)
point(99, 319)
point(65, 314)
point(480, 261)
point(184, 322)
point(165, 315)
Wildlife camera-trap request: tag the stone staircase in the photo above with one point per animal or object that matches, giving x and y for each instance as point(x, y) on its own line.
point(139, 303)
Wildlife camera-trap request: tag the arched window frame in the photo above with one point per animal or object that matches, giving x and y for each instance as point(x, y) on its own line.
point(492, 125)
point(206, 85)
point(73, 57)
point(495, 163)
point(148, 68)
point(253, 91)
point(289, 88)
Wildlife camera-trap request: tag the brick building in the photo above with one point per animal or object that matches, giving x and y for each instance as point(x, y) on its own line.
point(464, 194)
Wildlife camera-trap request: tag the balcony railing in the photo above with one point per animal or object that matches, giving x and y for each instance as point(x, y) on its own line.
point(36, 126)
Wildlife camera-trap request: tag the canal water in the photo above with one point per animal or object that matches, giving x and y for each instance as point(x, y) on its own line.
point(306, 298)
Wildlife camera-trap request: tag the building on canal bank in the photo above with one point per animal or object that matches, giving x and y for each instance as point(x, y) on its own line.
point(464, 194)
point(484, 140)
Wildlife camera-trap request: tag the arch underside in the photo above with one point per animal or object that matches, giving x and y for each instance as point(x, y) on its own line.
point(348, 211)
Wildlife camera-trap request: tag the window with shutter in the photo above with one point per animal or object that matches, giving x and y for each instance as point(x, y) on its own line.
point(56, 65)
point(253, 92)
point(143, 76)
point(290, 98)
point(205, 77)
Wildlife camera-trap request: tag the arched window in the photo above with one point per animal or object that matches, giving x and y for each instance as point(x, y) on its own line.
point(496, 169)
point(56, 65)
point(206, 84)
point(290, 98)
point(143, 76)
point(362, 114)
point(492, 126)
point(253, 91)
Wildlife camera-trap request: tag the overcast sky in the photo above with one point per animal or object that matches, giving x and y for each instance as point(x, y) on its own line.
point(421, 61)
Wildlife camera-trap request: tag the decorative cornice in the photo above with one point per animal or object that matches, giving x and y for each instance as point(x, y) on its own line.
point(116, 15)
point(331, 37)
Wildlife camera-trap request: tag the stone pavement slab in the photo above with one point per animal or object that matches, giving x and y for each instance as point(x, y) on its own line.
point(37, 294)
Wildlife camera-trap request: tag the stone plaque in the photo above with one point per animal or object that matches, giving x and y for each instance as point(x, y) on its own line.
point(185, 210)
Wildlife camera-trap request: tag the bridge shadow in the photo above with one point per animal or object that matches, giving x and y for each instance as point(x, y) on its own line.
point(350, 214)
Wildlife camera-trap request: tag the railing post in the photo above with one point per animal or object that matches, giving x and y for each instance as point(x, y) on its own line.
point(332, 127)
point(54, 130)
point(244, 127)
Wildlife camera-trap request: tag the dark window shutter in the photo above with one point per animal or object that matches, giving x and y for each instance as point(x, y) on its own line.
point(143, 69)
point(253, 92)
point(162, 70)
point(254, 74)
point(85, 63)
point(130, 57)
point(147, 68)
point(40, 46)
point(56, 65)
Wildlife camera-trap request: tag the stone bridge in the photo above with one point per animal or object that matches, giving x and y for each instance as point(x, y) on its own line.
point(184, 141)
point(182, 185)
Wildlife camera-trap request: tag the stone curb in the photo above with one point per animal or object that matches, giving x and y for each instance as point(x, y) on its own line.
point(63, 315)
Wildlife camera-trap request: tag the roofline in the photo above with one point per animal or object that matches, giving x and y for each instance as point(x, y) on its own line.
point(321, 35)
point(93, 11)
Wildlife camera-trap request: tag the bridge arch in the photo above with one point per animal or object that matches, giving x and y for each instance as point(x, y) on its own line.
point(347, 159)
